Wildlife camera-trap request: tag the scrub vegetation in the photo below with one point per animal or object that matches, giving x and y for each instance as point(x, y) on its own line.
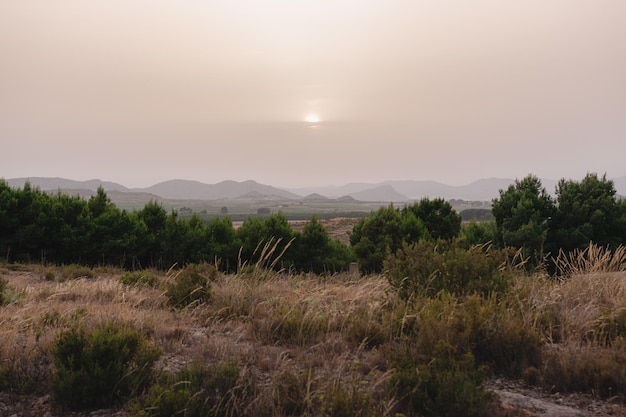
point(442, 311)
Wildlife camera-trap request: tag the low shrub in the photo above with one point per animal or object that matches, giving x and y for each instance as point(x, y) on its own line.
point(598, 371)
point(75, 272)
point(426, 268)
point(191, 286)
point(340, 401)
point(483, 327)
point(140, 278)
point(99, 368)
point(197, 391)
point(3, 288)
point(24, 368)
point(446, 385)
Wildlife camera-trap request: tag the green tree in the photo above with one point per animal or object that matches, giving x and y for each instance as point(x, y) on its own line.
point(522, 214)
point(224, 242)
point(588, 211)
point(438, 216)
point(256, 232)
point(375, 236)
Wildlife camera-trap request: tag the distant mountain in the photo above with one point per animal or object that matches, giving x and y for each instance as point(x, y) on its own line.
point(380, 193)
point(52, 184)
point(194, 190)
point(396, 191)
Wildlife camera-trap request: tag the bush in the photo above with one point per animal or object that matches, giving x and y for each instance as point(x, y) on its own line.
point(102, 367)
point(197, 391)
point(447, 385)
point(600, 371)
point(426, 268)
point(140, 278)
point(484, 327)
point(3, 287)
point(75, 272)
point(191, 286)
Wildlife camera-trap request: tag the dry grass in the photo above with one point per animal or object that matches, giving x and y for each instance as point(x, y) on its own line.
point(323, 338)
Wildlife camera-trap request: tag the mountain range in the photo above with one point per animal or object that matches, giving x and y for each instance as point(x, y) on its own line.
point(387, 191)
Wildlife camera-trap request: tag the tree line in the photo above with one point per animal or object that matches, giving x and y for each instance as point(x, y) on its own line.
point(63, 229)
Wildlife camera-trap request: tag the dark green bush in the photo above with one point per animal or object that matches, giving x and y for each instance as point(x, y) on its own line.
point(197, 391)
point(191, 286)
point(426, 268)
point(446, 385)
point(3, 287)
point(101, 367)
point(140, 278)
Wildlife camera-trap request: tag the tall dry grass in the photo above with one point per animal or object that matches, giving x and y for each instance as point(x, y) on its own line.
point(327, 340)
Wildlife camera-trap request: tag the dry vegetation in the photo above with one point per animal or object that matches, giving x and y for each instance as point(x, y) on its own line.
point(312, 345)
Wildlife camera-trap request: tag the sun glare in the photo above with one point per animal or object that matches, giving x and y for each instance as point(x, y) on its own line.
point(312, 118)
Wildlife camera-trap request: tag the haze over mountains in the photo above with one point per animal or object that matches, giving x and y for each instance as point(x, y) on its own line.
point(387, 191)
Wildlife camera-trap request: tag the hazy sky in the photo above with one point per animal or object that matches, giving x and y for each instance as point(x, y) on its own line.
point(139, 92)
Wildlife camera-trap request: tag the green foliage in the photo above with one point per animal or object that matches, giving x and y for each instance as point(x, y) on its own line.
point(438, 216)
point(600, 371)
point(102, 367)
point(3, 288)
point(372, 237)
point(75, 272)
point(446, 385)
point(197, 391)
point(522, 215)
point(339, 400)
point(140, 278)
point(316, 252)
point(256, 232)
point(478, 233)
point(426, 268)
point(191, 286)
point(386, 230)
point(588, 211)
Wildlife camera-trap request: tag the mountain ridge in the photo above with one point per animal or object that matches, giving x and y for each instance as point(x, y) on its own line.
point(484, 189)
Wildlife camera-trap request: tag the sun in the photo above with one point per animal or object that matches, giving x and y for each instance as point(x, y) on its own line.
point(312, 118)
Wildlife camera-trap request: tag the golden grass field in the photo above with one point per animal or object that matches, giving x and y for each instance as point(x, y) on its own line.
point(335, 331)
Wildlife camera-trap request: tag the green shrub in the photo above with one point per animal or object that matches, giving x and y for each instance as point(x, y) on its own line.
point(485, 327)
point(75, 272)
point(339, 401)
point(191, 286)
point(102, 367)
point(599, 371)
point(447, 385)
point(426, 268)
point(197, 391)
point(3, 288)
point(140, 278)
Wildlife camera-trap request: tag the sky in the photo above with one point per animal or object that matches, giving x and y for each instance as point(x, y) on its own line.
point(296, 93)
